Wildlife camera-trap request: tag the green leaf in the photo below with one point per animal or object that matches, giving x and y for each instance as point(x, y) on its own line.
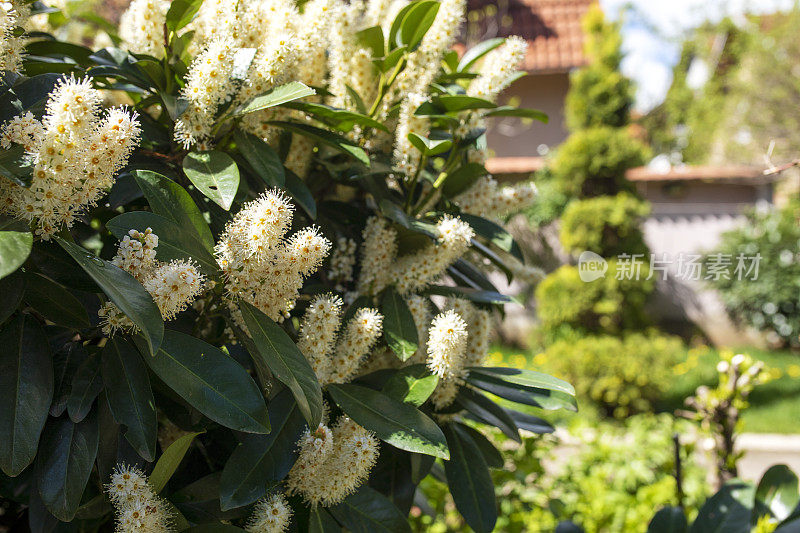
point(66, 361)
point(174, 241)
point(373, 39)
point(64, 463)
point(54, 302)
point(727, 511)
point(399, 329)
point(320, 521)
point(211, 382)
point(300, 193)
point(86, 385)
point(339, 119)
point(369, 511)
point(214, 174)
point(668, 520)
point(123, 289)
point(777, 493)
point(12, 288)
point(455, 103)
point(478, 51)
point(214, 528)
point(542, 398)
point(527, 378)
point(170, 460)
point(26, 391)
point(261, 157)
point(474, 295)
point(469, 481)
point(488, 412)
point(411, 384)
point(169, 200)
point(462, 178)
point(400, 424)
point(130, 398)
point(531, 423)
point(261, 460)
point(521, 112)
point(15, 247)
point(416, 23)
point(286, 362)
point(330, 138)
point(495, 234)
point(279, 95)
point(181, 13)
point(429, 147)
point(491, 455)
point(15, 166)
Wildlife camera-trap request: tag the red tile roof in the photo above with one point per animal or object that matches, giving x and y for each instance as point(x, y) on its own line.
point(552, 28)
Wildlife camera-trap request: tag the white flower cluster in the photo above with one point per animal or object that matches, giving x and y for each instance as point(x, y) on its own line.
point(270, 515)
point(337, 360)
point(487, 199)
point(406, 157)
point(415, 271)
point(332, 463)
point(173, 286)
point(498, 69)
point(378, 252)
point(447, 344)
point(343, 259)
point(261, 266)
point(13, 15)
point(138, 508)
point(75, 153)
point(141, 27)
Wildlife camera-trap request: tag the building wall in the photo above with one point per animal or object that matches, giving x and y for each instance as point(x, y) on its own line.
point(509, 137)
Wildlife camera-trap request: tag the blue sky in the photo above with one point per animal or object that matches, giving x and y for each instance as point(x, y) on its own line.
point(652, 32)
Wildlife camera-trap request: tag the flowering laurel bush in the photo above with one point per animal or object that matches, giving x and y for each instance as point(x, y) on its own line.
point(243, 257)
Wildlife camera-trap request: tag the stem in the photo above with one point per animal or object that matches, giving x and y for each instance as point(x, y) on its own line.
point(414, 179)
point(383, 87)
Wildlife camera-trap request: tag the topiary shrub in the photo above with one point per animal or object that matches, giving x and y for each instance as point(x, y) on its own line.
point(592, 162)
point(769, 302)
point(606, 225)
point(621, 374)
point(568, 306)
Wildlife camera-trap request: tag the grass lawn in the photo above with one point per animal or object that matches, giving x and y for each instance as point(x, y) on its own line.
point(774, 406)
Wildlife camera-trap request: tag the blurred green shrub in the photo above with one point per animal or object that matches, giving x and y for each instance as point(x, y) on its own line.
point(770, 302)
point(569, 307)
point(606, 225)
point(622, 375)
point(592, 162)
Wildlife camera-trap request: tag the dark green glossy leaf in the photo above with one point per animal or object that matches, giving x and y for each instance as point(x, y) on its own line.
point(454, 103)
point(511, 111)
point(26, 391)
point(170, 200)
point(372, 38)
point(300, 193)
point(495, 234)
point(261, 157)
point(491, 455)
point(777, 493)
point(64, 463)
point(286, 362)
point(400, 424)
point(169, 461)
point(66, 362)
point(412, 384)
point(526, 378)
point(214, 528)
point(339, 119)
point(123, 289)
point(531, 423)
point(399, 329)
point(54, 302)
point(469, 481)
point(211, 382)
point(542, 398)
point(214, 174)
point(261, 460)
point(727, 511)
point(181, 13)
point(15, 166)
point(329, 138)
point(15, 247)
point(488, 412)
point(462, 178)
point(12, 288)
point(174, 241)
point(475, 295)
point(668, 520)
point(369, 511)
point(127, 386)
point(320, 521)
point(86, 385)
point(429, 147)
point(279, 95)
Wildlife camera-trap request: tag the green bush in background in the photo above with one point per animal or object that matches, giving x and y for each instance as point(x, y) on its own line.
point(622, 375)
point(606, 225)
point(567, 306)
point(769, 302)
